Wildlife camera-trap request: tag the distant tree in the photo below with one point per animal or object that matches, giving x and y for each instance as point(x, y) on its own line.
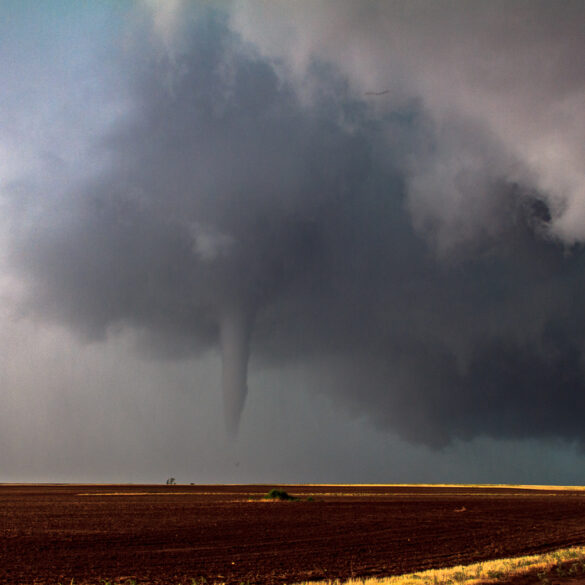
point(171, 481)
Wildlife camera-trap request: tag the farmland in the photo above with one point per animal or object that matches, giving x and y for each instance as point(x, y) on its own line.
point(166, 534)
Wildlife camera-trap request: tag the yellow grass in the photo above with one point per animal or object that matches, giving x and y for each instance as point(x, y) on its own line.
point(453, 485)
point(486, 572)
point(103, 494)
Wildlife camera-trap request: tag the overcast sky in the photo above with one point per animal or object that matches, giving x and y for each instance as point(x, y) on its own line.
point(292, 241)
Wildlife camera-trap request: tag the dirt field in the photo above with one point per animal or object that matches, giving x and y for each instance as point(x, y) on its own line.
point(167, 534)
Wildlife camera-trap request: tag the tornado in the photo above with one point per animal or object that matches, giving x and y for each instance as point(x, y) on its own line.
point(235, 328)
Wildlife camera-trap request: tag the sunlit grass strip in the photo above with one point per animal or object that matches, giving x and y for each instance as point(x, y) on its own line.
point(488, 571)
point(156, 494)
point(453, 485)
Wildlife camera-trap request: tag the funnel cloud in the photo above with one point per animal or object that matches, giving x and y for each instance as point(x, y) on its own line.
point(235, 328)
point(388, 197)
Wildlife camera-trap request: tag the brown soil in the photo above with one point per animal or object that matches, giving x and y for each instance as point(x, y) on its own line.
point(172, 534)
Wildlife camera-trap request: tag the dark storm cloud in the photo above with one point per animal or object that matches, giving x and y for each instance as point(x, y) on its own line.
point(239, 203)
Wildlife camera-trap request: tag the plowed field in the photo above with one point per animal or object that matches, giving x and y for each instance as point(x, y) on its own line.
point(169, 534)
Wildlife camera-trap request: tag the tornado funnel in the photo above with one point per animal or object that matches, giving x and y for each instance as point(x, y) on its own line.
point(235, 327)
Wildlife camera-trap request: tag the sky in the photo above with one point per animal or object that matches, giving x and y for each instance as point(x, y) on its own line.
point(292, 241)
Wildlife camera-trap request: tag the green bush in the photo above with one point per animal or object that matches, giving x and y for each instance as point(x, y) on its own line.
point(276, 494)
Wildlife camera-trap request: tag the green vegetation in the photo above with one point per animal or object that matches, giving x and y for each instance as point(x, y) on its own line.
point(276, 494)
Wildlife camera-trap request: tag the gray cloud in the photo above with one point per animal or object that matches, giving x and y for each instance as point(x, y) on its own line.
point(415, 250)
point(500, 82)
